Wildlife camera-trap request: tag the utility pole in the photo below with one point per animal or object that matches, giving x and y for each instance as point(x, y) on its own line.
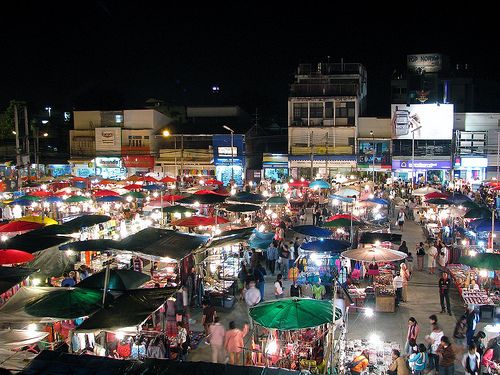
point(18, 149)
point(27, 138)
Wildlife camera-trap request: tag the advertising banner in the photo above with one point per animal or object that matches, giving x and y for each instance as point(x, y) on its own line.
point(425, 62)
point(108, 139)
point(429, 121)
point(421, 164)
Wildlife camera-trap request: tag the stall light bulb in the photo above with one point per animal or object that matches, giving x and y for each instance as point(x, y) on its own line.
point(46, 204)
point(36, 282)
point(265, 193)
point(369, 312)
point(272, 347)
point(291, 180)
point(483, 273)
point(464, 242)
point(274, 215)
point(402, 191)
point(197, 204)
point(217, 231)
point(375, 340)
point(43, 187)
point(262, 228)
point(335, 202)
point(4, 238)
point(177, 215)
point(371, 196)
point(155, 194)
point(233, 191)
point(269, 211)
point(302, 179)
point(377, 243)
point(32, 327)
point(378, 217)
point(188, 214)
point(481, 243)
point(202, 182)
point(70, 252)
point(129, 199)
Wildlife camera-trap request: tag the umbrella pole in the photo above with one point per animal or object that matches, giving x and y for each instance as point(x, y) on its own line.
point(492, 228)
point(106, 282)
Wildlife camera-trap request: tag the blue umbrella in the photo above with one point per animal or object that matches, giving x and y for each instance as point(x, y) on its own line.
point(341, 198)
point(458, 198)
point(80, 184)
point(484, 225)
point(377, 201)
point(109, 199)
point(260, 240)
point(319, 184)
point(312, 230)
point(21, 202)
point(151, 187)
point(53, 199)
point(326, 245)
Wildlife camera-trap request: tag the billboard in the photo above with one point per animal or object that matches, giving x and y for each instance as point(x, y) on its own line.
point(432, 121)
point(425, 62)
point(382, 154)
point(108, 139)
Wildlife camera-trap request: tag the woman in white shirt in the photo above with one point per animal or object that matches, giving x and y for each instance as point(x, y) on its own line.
point(278, 287)
point(434, 339)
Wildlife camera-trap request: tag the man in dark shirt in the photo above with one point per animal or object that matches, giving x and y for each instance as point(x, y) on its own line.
point(295, 290)
point(444, 292)
point(259, 273)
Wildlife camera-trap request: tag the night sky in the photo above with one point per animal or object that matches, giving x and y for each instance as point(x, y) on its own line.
point(106, 55)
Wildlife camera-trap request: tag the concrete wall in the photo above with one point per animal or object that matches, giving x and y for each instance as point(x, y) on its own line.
point(86, 119)
point(381, 127)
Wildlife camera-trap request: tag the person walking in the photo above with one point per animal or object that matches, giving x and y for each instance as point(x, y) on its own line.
point(444, 292)
point(295, 290)
point(259, 272)
point(420, 256)
point(208, 317)
point(471, 361)
point(233, 342)
point(472, 319)
point(432, 254)
point(272, 256)
point(284, 259)
point(405, 275)
point(217, 332)
point(401, 219)
point(397, 283)
point(403, 247)
point(446, 357)
point(434, 340)
point(412, 335)
point(278, 287)
point(182, 342)
point(252, 297)
point(398, 365)
point(419, 360)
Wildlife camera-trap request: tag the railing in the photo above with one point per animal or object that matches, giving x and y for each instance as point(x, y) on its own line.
point(329, 68)
point(318, 150)
point(311, 89)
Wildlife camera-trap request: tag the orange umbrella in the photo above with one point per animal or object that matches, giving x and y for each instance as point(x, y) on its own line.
point(133, 178)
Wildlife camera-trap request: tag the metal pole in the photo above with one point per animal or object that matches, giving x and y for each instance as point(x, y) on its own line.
point(492, 229)
point(412, 160)
point(312, 153)
point(175, 156)
point(18, 150)
point(498, 153)
point(37, 152)
point(161, 207)
point(232, 155)
point(106, 282)
point(374, 153)
point(182, 155)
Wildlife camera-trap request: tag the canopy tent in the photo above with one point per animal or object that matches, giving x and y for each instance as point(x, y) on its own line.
point(53, 200)
point(312, 230)
point(77, 199)
point(374, 254)
point(290, 314)
point(260, 240)
point(168, 180)
point(105, 193)
point(118, 280)
point(41, 193)
point(19, 226)
point(347, 192)
point(32, 198)
point(213, 181)
point(342, 222)
point(129, 309)
point(13, 256)
point(21, 202)
point(152, 187)
point(277, 200)
point(487, 261)
point(38, 219)
point(484, 225)
point(340, 198)
point(343, 216)
point(242, 207)
point(86, 221)
point(203, 199)
point(246, 197)
point(133, 187)
point(148, 179)
point(209, 192)
point(324, 245)
point(17, 338)
point(10, 276)
point(195, 221)
point(36, 240)
point(91, 245)
point(478, 213)
point(372, 237)
point(319, 184)
point(231, 237)
point(162, 243)
point(52, 262)
point(467, 204)
point(424, 191)
point(134, 195)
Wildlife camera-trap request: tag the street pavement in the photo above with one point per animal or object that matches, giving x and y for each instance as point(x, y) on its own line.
point(423, 300)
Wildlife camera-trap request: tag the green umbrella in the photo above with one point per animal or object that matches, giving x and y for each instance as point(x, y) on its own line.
point(290, 314)
point(242, 208)
point(30, 198)
point(477, 213)
point(487, 261)
point(65, 303)
point(76, 199)
point(118, 280)
point(134, 194)
point(178, 208)
point(277, 200)
point(342, 222)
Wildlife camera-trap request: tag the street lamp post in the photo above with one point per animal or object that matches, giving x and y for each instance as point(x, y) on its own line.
point(413, 157)
point(374, 152)
point(37, 150)
point(232, 149)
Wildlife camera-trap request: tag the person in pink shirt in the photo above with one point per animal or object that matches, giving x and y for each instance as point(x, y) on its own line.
point(217, 334)
point(233, 342)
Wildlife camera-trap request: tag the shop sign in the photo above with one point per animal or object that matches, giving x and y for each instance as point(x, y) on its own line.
point(425, 62)
point(474, 162)
point(108, 139)
point(108, 162)
point(421, 164)
point(429, 121)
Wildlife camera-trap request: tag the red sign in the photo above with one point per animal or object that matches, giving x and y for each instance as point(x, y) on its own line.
point(139, 161)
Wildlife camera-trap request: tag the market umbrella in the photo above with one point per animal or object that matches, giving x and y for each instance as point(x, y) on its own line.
point(86, 221)
point(473, 213)
point(171, 198)
point(380, 201)
point(246, 197)
point(12, 256)
point(291, 314)
point(107, 181)
point(484, 225)
point(347, 192)
point(312, 230)
point(19, 226)
point(205, 191)
point(487, 261)
point(135, 195)
point(148, 179)
point(53, 200)
point(109, 199)
point(343, 216)
point(118, 280)
point(340, 198)
point(459, 198)
point(261, 240)
point(41, 193)
point(91, 245)
point(178, 208)
point(319, 184)
point(77, 199)
point(133, 187)
point(65, 303)
point(467, 204)
point(168, 180)
point(10, 276)
point(105, 193)
point(242, 208)
point(342, 222)
point(18, 338)
point(152, 187)
point(133, 178)
point(195, 221)
point(374, 254)
point(436, 195)
point(203, 199)
point(372, 237)
point(298, 183)
point(277, 200)
point(38, 219)
point(424, 191)
point(30, 198)
point(67, 191)
point(80, 179)
point(213, 181)
point(438, 201)
point(326, 245)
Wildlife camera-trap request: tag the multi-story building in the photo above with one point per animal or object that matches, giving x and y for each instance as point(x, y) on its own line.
point(114, 143)
point(323, 108)
point(374, 146)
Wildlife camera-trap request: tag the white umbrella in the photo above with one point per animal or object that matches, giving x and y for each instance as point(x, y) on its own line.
point(347, 192)
point(425, 190)
point(121, 191)
point(374, 254)
point(68, 190)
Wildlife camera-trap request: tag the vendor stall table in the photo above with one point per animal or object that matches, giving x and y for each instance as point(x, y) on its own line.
point(380, 354)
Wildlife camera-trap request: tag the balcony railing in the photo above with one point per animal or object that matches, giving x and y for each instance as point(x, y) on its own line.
point(306, 89)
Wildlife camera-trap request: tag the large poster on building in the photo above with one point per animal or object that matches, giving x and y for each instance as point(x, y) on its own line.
point(425, 62)
point(108, 139)
point(427, 121)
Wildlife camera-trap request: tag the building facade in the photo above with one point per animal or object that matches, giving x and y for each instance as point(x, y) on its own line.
point(324, 104)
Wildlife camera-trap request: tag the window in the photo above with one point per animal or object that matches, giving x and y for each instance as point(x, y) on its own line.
point(328, 109)
point(299, 111)
point(118, 119)
point(316, 110)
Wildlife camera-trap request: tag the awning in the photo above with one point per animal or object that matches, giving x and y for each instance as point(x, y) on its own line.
point(139, 161)
point(231, 237)
point(118, 280)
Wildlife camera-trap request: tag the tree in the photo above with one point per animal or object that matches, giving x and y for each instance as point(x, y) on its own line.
point(7, 120)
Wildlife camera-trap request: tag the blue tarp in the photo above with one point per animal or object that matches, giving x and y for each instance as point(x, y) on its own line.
point(260, 240)
point(326, 245)
point(312, 230)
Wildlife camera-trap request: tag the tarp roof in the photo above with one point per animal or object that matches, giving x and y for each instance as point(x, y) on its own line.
point(129, 309)
point(90, 245)
point(162, 243)
point(86, 221)
point(15, 338)
point(371, 237)
point(231, 237)
point(13, 311)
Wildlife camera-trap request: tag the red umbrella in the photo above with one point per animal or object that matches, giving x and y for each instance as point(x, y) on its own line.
point(343, 216)
point(80, 179)
point(435, 195)
point(19, 226)
point(133, 187)
point(107, 181)
point(202, 192)
point(148, 179)
point(11, 256)
point(195, 221)
point(172, 197)
point(168, 179)
point(105, 193)
point(41, 193)
point(299, 184)
point(133, 178)
point(493, 183)
point(59, 185)
point(213, 181)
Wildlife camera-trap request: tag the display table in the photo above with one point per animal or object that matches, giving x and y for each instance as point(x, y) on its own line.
point(380, 354)
point(385, 295)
